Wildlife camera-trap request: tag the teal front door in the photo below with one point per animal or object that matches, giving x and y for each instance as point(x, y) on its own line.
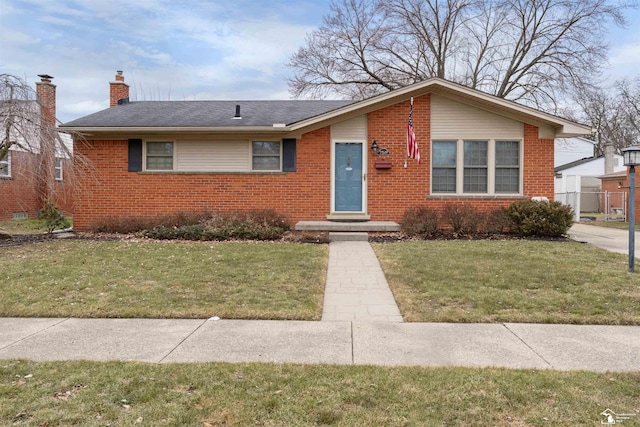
point(348, 177)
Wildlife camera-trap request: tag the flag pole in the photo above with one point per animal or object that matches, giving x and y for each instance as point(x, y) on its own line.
point(407, 148)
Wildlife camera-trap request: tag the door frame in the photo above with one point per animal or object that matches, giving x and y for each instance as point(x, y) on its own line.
point(364, 178)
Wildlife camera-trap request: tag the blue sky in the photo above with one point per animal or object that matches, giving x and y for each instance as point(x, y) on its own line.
point(180, 50)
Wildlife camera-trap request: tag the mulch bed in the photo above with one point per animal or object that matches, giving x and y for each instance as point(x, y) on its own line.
point(290, 237)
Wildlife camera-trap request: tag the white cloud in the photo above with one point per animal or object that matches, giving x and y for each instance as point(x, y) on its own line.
point(628, 54)
point(200, 49)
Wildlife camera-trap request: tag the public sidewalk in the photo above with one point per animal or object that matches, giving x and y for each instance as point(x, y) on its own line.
point(361, 325)
point(510, 345)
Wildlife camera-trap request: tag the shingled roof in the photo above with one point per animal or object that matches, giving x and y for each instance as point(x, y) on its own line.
point(184, 114)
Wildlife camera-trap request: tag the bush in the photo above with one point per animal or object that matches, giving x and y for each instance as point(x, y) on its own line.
point(463, 219)
point(419, 221)
point(53, 217)
point(496, 221)
point(543, 219)
point(126, 225)
point(255, 225)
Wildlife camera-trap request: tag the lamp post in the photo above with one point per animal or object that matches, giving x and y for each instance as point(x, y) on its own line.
point(631, 156)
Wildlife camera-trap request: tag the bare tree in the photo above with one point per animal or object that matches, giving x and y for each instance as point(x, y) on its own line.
point(612, 112)
point(527, 50)
point(26, 128)
point(630, 96)
point(342, 55)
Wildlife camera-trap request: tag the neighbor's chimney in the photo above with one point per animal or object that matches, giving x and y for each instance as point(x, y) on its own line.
point(118, 90)
point(46, 93)
point(608, 157)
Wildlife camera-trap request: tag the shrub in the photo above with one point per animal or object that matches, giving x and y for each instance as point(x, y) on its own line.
point(125, 225)
point(496, 221)
point(543, 219)
point(53, 217)
point(463, 219)
point(419, 221)
point(255, 225)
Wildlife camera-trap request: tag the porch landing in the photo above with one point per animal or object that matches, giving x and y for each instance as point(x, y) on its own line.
point(365, 226)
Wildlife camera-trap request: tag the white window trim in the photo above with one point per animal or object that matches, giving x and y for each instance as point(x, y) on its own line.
point(251, 156)
point(7, 161)
point(144, 155)
point(491, 168)
point(58, 168)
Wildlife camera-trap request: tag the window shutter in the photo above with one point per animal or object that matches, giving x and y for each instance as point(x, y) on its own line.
point(135, 155)
point(288, 155)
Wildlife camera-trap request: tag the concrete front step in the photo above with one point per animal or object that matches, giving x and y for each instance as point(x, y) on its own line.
point(357, 227)
point(348, 237)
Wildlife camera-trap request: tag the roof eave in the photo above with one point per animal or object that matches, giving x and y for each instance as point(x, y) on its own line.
point(166, 129)
point(563, 128)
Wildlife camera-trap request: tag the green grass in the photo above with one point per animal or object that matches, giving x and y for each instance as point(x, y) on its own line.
point(27, 226)
point(510, 281)
point(220, 394)
point(23, 226)
point(163, 279)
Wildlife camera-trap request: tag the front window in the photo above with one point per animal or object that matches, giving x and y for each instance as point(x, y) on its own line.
point(265, 155)
point(507, 166)
point(5, 165)
point(475, 167)
point(444, 167)
point(58, 169)
point(159, 155)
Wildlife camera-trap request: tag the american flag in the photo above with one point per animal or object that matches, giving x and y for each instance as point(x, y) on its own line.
point(412, 145)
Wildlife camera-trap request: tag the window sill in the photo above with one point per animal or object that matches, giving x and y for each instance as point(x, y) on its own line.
point(210, 173)
point(476, 196)
point(5, 177)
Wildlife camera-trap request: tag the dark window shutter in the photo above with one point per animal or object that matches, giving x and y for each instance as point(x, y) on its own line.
point(288, 155)
point(135, 155)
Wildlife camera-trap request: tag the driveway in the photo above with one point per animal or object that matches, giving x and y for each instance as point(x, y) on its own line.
point(611, 239)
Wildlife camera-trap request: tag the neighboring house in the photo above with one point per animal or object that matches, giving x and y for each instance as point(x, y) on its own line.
point(568, 150)
point(313, 160)
point(617, 183)
point(582, 174)
point(27, 177)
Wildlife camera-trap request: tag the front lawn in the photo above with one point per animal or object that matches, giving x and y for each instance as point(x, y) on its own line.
point(148, 279)
point(223, 394)
point(510, 281)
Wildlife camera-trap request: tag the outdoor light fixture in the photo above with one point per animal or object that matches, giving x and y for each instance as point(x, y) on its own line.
point(631, 158)
point(374, 146)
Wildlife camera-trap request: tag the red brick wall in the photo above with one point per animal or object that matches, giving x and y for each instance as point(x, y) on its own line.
point(18, 193)
point(111, 191)
point(617, 185)
point(538, 164)
point(392, 191)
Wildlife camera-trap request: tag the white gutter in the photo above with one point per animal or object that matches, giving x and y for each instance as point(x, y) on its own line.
point(164, 129)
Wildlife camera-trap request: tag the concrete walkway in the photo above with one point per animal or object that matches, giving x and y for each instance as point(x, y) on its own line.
point(356, 288)
point(611, 239)
point(530, 346)
point(362, 325)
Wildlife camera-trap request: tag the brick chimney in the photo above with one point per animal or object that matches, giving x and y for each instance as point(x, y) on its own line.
point(118, 90)
point(608, 157)
point(46, 93)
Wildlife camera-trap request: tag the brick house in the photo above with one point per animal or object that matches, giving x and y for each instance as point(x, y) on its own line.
point(29, 176)
point(314, 160)
point(618, 182)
